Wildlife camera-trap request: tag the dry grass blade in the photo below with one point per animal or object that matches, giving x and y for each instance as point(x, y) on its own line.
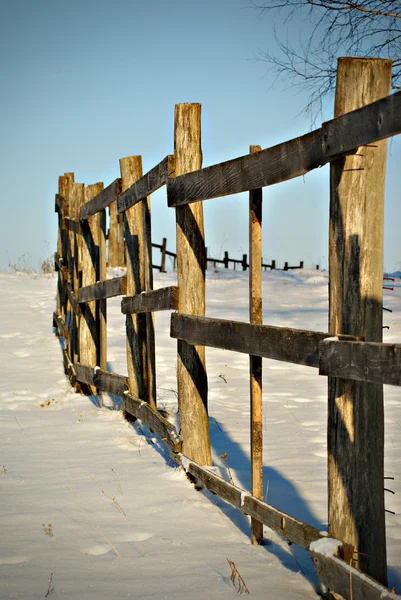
point(50, 588)
point(236, 579)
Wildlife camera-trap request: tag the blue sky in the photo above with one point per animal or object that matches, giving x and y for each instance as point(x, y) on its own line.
point(86, 82)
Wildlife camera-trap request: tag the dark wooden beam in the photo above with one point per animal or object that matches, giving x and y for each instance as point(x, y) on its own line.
point(161, 299)
point(361, 361)
point(103, 380)
point(148, 184)
point(154, 420)
point(340, 136)
point(280, 343)
point(105, 198)
point(103, 289)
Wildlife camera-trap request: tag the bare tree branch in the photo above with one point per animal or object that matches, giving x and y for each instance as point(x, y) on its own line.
point(330, 29)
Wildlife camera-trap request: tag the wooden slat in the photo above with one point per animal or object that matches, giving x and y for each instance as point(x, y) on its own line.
point(105, 198)
point(296, 157)
point(288, 527)
point(154, 420)
point(148, 184)
point(103, 380)
point(279, 343)
point(348, 582)
point(103, 289)
point(362, 361)
point(279, 163)
point(371, 123)
point(161, 299)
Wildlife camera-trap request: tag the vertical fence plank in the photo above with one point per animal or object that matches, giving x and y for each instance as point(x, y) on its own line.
point(88, 331)
point(163, 259)
point(255, 362)
point(76, 201)
point(355, 416)
point(191, 258)
point(134, 233)
point(150, 321)
point(64, 185)
point(116, 238)
point(102, 304)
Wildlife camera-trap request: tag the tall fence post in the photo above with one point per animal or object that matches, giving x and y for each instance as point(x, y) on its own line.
point(101, 305)
point(89, 329)
point(136, 324)
point(163, 258)
point(255, 362)
point(191, 259)
point(355, 413)
point(64, 185)
point(116, 238)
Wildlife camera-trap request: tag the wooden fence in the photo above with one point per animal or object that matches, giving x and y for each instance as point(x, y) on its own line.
point(352, 355)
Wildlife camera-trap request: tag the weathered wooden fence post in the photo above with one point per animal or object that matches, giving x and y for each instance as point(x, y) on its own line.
point(64, 185)
point(255, 362)
point(89, 327)
point(101, 305)
point(139, 347)
point(191, 259)
point(116, 238)
point(163, 258)
point(355, 413)
point(77, 199)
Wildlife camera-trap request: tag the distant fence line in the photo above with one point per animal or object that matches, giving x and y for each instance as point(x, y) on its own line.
point(352, 355)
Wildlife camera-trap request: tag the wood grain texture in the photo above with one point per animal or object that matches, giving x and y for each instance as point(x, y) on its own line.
point(255, 362)
point(291, 529)
point(102, 304)
point(103, 289)
point(154, 420)
point(191, 264)
point(77, 196)
point(339, 577)
point(72, 225)
point(116, 256)
point(292, 158)
point(296, 346)
point(102, 200)
point(134, 234)
point(367, 125)
point(361, 361)
point(288, 527)
point(146, 185)
point(273, 165)
point(103, 381)
point(89, 327)
point(161, 299)
point(355, 409)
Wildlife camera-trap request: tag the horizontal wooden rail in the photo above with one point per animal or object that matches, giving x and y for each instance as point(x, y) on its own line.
point(148, 184)
point(346, 581)
point(363, 361)
point(162, 299)
point(279, 343)
point(154, 420)
point(104, 381)
point(103, 289)
point(333, 572)
point(288, 527)
point(290, 159)
point(101, 201)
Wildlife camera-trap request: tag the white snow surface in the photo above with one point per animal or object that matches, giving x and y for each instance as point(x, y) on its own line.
point(97, 502)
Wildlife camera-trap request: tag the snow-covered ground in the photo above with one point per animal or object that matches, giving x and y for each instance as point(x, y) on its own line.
point(94, 502)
